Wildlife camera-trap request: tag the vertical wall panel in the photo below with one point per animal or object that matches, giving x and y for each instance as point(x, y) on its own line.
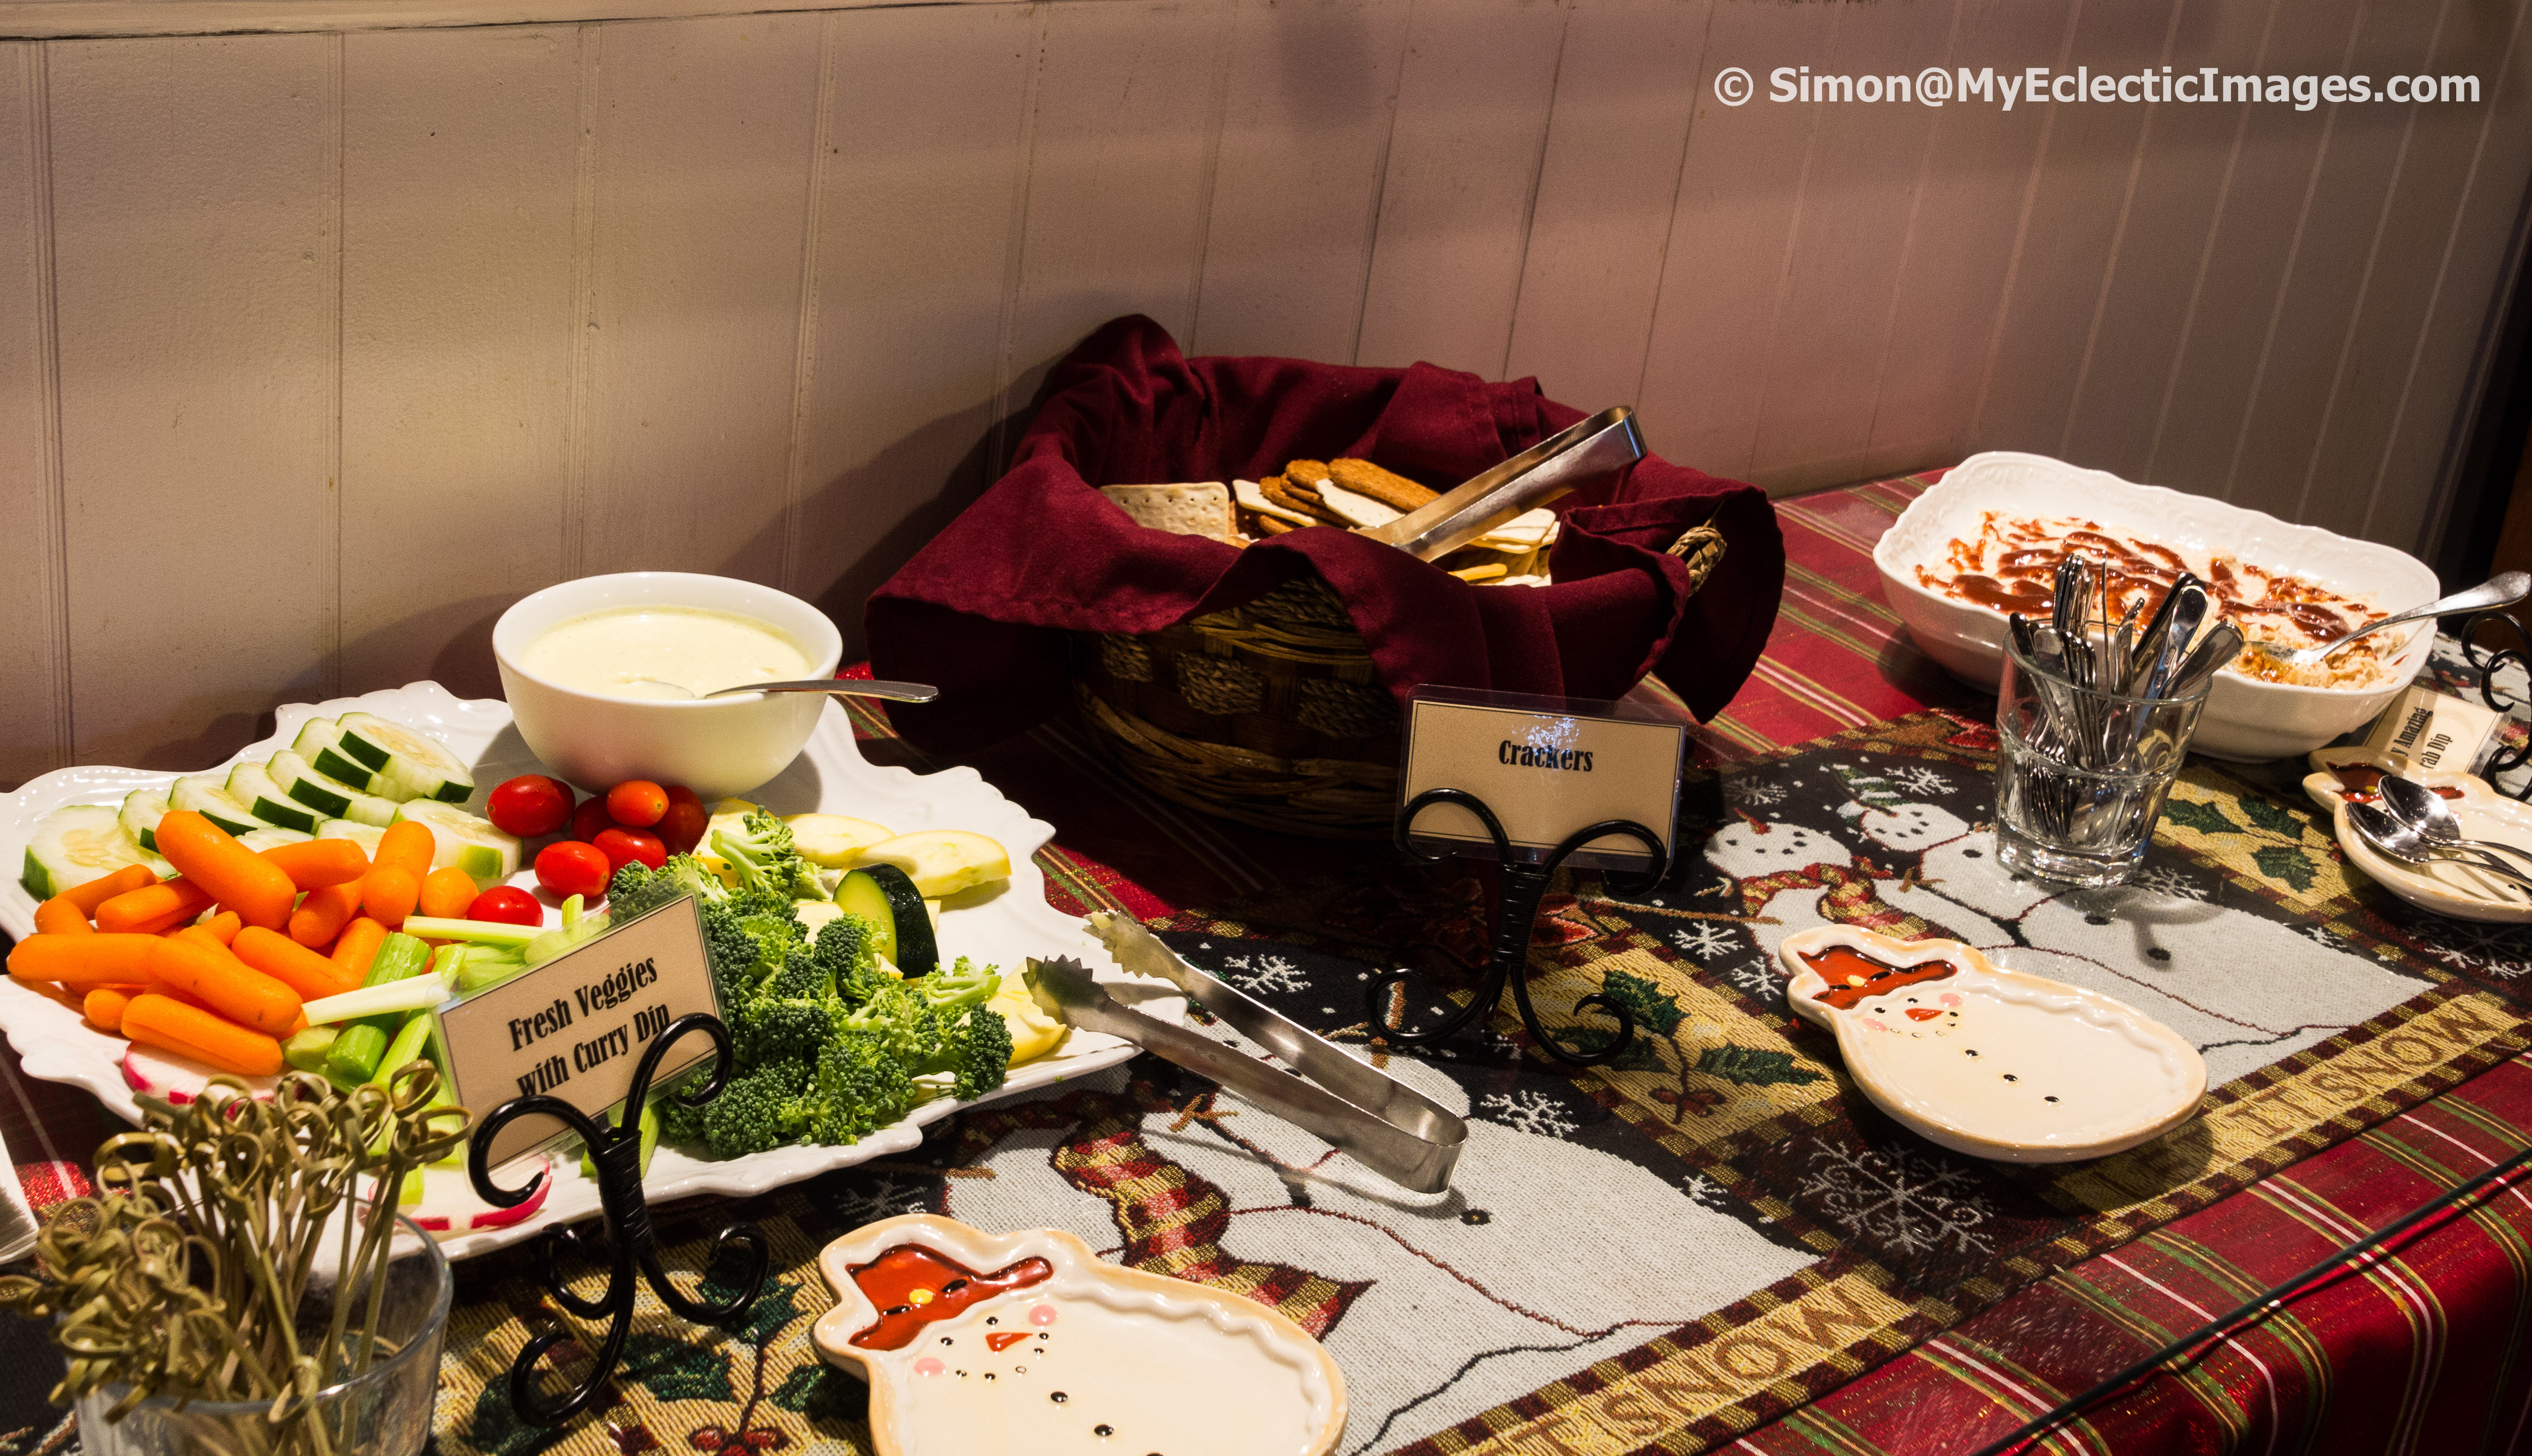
point(1607, 190)
point(1297, 185)
point(1722, 275)
point(915, 214)
point(702, 195)
point(1472, 107)
point(458, 162)
point(35, 656)
point(1821, 365)
point(193, 202)
point(1126, 111)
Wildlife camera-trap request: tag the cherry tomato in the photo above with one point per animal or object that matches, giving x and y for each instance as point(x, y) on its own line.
point(680, 794)
point(624, 847)
point(530, 805)
point(682, 828)
point(590, 819)
point(636, 802)
point(507, 905)
point(569, 868)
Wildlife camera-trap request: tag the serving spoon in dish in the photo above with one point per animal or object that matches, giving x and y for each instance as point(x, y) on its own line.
point(2397, 841)
point(838, 687)
point(2499, 591)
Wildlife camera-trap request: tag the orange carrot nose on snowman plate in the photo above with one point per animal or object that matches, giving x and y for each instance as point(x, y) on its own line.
point(1988, 1061)
point(975, 1342)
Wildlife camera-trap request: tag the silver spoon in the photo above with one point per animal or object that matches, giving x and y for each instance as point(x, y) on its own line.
point(2400, 841)
point(2430, 814)
point(839, 686)
point(2504, 591)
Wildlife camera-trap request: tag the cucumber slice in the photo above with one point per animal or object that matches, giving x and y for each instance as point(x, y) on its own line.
point(944, 861)
point(412, 765)
point(204, 795)
point(471, 844)
point(142, 808)
point(330, 797)
point(261, 840)
point(366, 836)
point(74, 843)
point(251, 785)
point(882, 895)
point(319, 746)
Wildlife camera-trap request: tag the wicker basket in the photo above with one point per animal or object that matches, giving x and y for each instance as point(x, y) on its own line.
point(1268, 715)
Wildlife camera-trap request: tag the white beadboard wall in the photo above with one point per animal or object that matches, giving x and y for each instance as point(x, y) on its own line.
point(321, 348)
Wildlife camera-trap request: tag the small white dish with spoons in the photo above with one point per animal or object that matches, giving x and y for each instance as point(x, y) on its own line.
point(2446, 886)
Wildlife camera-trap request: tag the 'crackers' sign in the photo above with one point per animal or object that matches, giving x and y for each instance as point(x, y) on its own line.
point(1546, 767)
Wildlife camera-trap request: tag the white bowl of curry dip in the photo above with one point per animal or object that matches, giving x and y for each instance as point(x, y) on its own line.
point(1982, 542)
point(604, 677)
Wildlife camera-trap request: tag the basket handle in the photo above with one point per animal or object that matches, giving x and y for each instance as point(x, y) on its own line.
point(1700, 547)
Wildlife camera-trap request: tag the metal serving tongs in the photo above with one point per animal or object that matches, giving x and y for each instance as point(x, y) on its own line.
point(1604, 447)
point(1379, 1121)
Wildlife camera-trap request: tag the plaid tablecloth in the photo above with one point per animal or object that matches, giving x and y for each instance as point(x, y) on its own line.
point(2419, 1351)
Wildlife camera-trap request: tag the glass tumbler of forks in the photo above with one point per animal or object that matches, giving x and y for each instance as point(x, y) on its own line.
point(2083, 774)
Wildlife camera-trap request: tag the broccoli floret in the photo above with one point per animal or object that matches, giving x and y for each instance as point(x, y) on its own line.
point(758, 1110)
point(896, 1016)
point(638, 889)
point(845, 960)
point(763, 854)
point(960, 987)
point(737, 959)
point(679, 1123)
point(980, 1053)
point(784, 1029)
point(858, 1087)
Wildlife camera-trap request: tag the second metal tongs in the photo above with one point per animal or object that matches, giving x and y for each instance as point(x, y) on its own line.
point(1603, 447)
point(1379, 1121)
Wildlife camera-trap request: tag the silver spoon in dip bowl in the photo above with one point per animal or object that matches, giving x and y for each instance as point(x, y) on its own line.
point(2432, 816)
point(838, 687)
point(2496, 592)
point(2395, 840)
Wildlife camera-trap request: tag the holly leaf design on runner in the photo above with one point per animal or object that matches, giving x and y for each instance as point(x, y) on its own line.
point(2206, 818)
point(2287, 862)
point(674, 1369)
point(2275, 817)
point(1653, 1010)
point(1750, 1066)
point(823, 1395)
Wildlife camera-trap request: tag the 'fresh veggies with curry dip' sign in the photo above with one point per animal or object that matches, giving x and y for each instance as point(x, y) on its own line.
point(576, 1026)
point(1546, 767)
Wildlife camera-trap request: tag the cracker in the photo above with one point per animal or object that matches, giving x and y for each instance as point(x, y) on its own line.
point(1305, 471)
point(1274, 524)
point(1357, 510)
point(1279, 492)
point(1189, 509)
point(1252, 497)
point(1388, 487)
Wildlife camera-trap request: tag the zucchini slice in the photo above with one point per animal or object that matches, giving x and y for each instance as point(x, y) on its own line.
point(204, 795)
point(882, 895)
point(834, 840)
point(142, 808)
point(410, 765)
point(944, 861)
point(330, 797)
point(74, 843)
point(472, 844)
point(249, 784)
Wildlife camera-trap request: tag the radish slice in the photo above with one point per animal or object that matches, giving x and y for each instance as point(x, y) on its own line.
point(453, 1203)
point(503, 1218)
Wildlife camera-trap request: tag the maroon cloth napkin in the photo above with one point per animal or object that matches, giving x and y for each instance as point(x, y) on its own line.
point(982, 610)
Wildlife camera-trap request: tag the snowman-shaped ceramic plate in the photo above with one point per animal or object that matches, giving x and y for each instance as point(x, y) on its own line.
point(1988, 1061)
point(975, 1342)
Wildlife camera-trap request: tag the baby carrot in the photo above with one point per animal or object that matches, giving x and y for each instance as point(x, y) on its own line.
point(61, 916)
point(235, 875)
point(389, 894)
point(314, 864)
point(152, 907)
point(195, 964)
point(319, 918)
point(103, 1007)
point(357, 947)
point(446, 892)
point(188, 1030)
point(291, 964)
point(81, 962)
point(406, 846)
point(223, 927)
point(97, 892)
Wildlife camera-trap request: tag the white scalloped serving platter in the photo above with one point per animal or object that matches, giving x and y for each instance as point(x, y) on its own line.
point(1002, 926)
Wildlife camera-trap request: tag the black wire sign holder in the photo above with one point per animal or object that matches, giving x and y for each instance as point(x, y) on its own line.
point(2507, 761)
point(616, 1153)
point(1525, 883)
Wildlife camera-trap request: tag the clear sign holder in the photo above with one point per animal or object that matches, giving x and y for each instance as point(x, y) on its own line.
point(616, 1151)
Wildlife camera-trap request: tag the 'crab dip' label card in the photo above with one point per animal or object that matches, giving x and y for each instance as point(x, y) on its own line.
point(1546, 767)
point(576, 1026)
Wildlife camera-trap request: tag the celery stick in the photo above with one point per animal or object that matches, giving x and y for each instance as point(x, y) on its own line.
point(472, 932)
point(306, 1049)
point(355, 1054)
point(409, 1038)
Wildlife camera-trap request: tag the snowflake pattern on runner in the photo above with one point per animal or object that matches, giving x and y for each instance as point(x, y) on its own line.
point(1920, 781)
point(1270, 974)
point(2165, 880)
point(1753, 789)
point(1527, 1110)
point(1757, 977)
point(885, 1199)
point(1706, 941)
point(2322, 935)
point(2502, 951)
point(1900, 1198)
